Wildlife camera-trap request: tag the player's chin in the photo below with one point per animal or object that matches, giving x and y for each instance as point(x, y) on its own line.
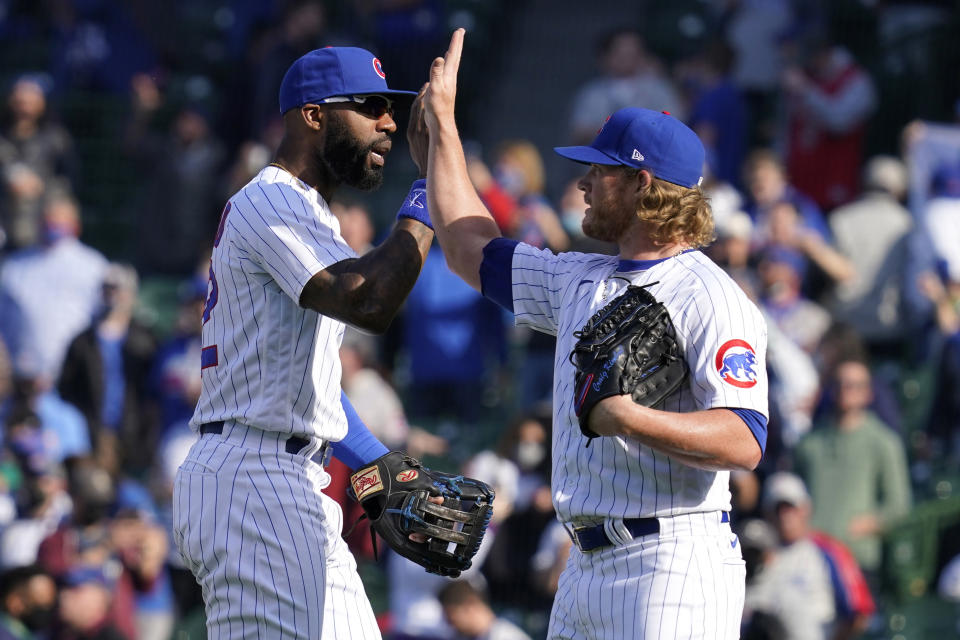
point(370, 179)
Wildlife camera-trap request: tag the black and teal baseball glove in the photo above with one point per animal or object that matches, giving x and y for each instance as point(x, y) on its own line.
point(395, 490)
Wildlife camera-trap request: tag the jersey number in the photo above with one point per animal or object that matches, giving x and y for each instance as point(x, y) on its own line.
point(213, 291)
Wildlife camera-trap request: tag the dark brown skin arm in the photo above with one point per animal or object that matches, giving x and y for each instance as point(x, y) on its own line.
point(367, 292)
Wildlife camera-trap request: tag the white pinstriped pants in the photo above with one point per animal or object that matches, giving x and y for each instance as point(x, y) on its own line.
point(264, 543)
point(685, 582)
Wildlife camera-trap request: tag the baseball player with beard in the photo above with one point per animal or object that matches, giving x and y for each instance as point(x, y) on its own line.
point(647, 502)
point(250, 519)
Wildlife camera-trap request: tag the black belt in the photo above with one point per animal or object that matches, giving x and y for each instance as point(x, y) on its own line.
point(295, 444)
point(592, 537)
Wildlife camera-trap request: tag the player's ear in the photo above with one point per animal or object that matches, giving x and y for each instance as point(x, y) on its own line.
point(642, 181)
point(313, 116)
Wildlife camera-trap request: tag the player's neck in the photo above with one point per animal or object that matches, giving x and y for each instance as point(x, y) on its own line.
point(647, 250)
point(636, 244)
point(299, 165)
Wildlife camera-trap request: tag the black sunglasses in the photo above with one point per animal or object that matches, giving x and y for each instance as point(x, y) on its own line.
point(374, 105)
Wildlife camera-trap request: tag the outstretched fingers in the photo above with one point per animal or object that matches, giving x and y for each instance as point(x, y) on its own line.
point(444, 70)
point(451, 61)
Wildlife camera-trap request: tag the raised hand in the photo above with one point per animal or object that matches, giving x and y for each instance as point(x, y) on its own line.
point(417, 135)
point(441, 91)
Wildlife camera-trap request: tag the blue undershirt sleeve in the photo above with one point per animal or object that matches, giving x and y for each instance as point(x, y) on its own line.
point(757, 423)
point(496, 272)
point(359, 446)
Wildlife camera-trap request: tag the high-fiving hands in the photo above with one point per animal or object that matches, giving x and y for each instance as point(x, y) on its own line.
point(435, 101)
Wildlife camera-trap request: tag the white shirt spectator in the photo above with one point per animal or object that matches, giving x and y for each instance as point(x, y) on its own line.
point(47, 296)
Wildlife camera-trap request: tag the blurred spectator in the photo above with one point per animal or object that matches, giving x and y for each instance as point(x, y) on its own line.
point(28, 599)
point(97, 46)
point(854, 451)
point(810, 582)
point(356, 226)
point(376, 401)
point(942, 216)
point(251, 157)
point(63, 270)
point(416, 613)
point(175, 383)
point(86, 597)
point(519, 171)
point(468, 613)
point(629, 77)
point(515, 187)
point(794, 383)
point(841, 343)
point(106, 375)
point(526, 444)
point(943, 290)
point(755, 30)
point(408, 33)
point(512, 580)
point(928, 146)
point(65, 432)
point(6, 373)
point(129, 551)
point(455, 341)
point(948, 586)
point(549, 560)
point(944, 421)
point(801, 320)
point(719, 113)
point(732, 251)
point(872, 233)
point(766, 180)
point(38, 486)
point(36, 156)
point(744, 495)
point(301, 28)
point(784, 228)
point(175, 377)
point(181, 200)
point(828, 100)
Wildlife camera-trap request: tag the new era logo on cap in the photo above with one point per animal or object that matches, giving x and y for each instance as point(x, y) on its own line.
point(671, 150)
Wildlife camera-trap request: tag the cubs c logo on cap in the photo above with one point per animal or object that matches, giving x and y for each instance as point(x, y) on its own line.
point(379, 68)
point(735, 363)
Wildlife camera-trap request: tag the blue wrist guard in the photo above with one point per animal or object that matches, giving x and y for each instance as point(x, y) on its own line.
point(415, 205)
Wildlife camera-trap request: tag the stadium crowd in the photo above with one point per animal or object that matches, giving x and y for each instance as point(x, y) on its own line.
point(853, 256)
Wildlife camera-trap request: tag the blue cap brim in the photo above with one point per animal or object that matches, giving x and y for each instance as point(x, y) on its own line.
point(586, 155)
point(405, 97)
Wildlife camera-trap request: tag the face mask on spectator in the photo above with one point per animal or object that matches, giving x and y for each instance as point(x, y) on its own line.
point(37, 618)
point(511, 180)
point(530, 454)
point(53, 233)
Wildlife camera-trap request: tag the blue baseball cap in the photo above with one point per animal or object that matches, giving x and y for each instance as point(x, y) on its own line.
point(645, 139)
point(335, 72)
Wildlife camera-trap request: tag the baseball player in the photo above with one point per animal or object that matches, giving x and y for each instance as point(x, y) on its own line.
point(250, 519)
point(645, 503)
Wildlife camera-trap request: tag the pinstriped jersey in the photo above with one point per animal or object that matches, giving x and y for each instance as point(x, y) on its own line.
point(722, 335)
point(266, 361)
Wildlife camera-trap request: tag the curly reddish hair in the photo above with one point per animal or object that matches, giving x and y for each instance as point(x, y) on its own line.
point(676, 214)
